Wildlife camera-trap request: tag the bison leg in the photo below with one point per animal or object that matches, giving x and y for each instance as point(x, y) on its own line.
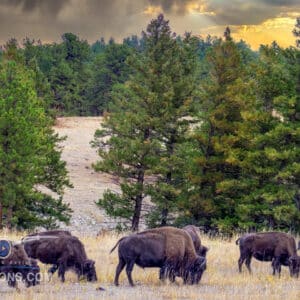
point(240, 262)
point(129, 269)
point(119, 269)
point(248, 263)
point(61, 272)
point(165, 272)
point(162, 273)
point(276, 266)
point(52, 270)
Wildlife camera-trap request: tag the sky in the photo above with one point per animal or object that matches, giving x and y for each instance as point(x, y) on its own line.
point(255, 21)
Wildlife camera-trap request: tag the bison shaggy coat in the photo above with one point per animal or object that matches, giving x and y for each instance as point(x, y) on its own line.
point(277, 247)
point(193, 231)
point(167, 248)
point(63, 251)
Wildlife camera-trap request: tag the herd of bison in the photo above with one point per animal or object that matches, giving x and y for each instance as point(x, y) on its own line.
point(176, 252)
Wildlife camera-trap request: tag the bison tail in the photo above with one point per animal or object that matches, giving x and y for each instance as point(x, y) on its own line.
point(237, 241)
point(118, 242)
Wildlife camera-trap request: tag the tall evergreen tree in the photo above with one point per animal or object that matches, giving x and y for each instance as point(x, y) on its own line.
point(270, 160)
point(173, 63)
point(221, 109)
point(146, 123)
point(29, 155)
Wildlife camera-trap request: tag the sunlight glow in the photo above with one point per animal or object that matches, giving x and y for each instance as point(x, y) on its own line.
point(152, 10)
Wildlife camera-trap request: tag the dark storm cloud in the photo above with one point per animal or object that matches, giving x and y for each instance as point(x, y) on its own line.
point(51, 7)
point(281, 2)
point(172, 6)
point(92, 19)
point(240, 12)
point(232, 12)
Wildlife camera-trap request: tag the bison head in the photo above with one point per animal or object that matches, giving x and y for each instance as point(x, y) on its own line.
point(197, 269)
point(203, 251)
point(294, 265)
point(89, 270)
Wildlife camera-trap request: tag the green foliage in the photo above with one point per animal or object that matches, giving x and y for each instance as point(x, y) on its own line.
point(29, 156)
point(127, 151)
point(247, 165)
point(146, 122)
point(109, 68)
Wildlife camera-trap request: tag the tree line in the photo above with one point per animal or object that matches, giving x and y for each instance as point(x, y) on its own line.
point(210, 139)
point(197, 131)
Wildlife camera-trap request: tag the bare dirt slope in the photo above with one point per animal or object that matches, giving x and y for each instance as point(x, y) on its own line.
point(88, 185)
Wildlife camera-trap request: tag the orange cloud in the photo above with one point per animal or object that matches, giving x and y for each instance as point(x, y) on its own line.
point(278, 29)
point(152, 10)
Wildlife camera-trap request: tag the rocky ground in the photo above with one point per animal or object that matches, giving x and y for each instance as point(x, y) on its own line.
point(88, 185)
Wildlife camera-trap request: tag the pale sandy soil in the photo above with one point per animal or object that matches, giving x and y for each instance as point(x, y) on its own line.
point(88, 185)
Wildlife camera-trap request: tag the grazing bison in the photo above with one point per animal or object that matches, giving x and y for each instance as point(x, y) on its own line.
point(56, 232)
point(170, 249)
point(277, 247)
point(47, 234)
point(64, 252)
point(294, 265)
point(19, 266)
point(193, 231)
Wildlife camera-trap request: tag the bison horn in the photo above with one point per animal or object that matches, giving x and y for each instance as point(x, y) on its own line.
point(203, 263)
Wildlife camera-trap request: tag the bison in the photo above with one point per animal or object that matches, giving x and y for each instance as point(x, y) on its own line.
point(19, 266)
point(170, 249)
point(56, 232)
point(193, 231)
point(277, 247)
point(63, 251)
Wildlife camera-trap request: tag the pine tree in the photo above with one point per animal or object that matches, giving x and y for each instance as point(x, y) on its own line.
point(29, 155)
point(146, 123)
point(212, 195)
point(270, 161)
point(173, 62)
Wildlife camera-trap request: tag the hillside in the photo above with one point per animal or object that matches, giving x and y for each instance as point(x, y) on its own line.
point(88, 185)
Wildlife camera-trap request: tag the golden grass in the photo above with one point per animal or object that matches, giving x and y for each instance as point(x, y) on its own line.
point(220, 281)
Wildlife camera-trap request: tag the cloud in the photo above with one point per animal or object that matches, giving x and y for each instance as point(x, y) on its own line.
point(172, 6)
point(240, 12)
point(51, 7)
point(91, 19)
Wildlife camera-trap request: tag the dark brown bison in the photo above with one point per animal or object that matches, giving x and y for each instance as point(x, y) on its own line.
point(193, 231)
point(64, 252)
point(19, 266)
point(277, 247)
point(55, 232)
point(170, 249)
point(48, 234)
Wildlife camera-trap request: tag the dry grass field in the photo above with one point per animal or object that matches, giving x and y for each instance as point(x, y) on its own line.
point(220, 281)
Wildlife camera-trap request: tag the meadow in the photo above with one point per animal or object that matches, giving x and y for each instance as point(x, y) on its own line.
point(221, 280)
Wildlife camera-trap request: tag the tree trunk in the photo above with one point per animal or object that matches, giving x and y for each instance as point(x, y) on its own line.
point(164, 217)
point(137, 213)
point(169, 196)
point(9, 217)
point(139, 197)
point(1, 215)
